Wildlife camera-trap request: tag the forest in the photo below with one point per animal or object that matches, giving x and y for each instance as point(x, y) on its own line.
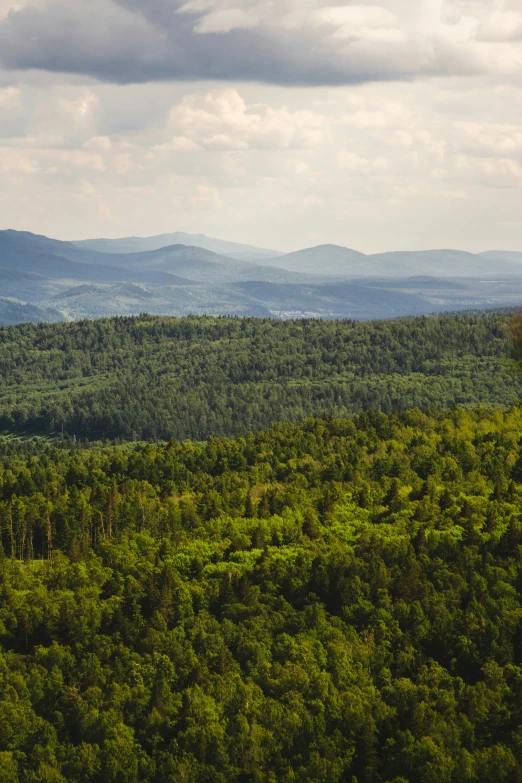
point(152, 378)
point(334, 601)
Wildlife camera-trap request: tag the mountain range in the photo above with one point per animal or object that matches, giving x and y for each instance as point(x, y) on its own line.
point(344, 262)
point(328, 260)
point(141, 244)
point(47, 279)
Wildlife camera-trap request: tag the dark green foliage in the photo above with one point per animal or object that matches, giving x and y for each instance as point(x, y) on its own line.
point(195, 377)
point(338, 601)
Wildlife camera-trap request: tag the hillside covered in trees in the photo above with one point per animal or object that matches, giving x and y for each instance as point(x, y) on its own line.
point(331, 602)
point(194, 377)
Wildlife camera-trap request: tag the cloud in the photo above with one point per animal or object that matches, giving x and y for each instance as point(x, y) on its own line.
point(354, 162)
point(221, 120)
point(494, 172)
point(376, 167)
point(487, 140)
point(120, 116)
point(310, 42)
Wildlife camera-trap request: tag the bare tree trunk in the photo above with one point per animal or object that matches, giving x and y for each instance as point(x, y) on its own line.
point(22, 544)
point(109, 516)
point(13, 553)
point(49, 538)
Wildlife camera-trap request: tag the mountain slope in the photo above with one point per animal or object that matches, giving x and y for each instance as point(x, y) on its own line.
point(338, 300)
point(343, 262)
point(260, 298)
point(196, 262)
point(141, 244)
point(205, 376)
point(331, 260)
point(23, 253)
point(203, 265)
point(52, 258)
point(442, 263)
point(15, 312)
point(511, 256)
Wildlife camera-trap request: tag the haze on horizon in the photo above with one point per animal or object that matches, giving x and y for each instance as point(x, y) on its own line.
point(376, 125)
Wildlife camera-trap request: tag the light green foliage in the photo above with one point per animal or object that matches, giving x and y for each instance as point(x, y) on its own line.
point(329, 602)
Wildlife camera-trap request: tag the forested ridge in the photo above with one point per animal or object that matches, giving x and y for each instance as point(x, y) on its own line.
point(157, 378)
point(337, 601)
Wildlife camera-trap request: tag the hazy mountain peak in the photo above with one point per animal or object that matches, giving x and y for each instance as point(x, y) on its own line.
point(333, 260)
point(142, 244)
point(329, 246)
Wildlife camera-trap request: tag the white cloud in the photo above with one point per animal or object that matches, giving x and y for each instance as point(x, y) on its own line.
point(17, 162)
point(421, 146)
point(178, 144)
point(495, 172)
point(102, 143)
point(500, 26)
point(205, 197)
point(221, 120)
point(354, 162)
point(491, 139)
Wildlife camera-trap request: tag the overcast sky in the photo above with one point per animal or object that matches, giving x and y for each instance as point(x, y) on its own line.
point(283, 123)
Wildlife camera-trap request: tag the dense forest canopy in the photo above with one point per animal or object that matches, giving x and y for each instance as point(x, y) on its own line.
point(338, 601)
point(200, 376)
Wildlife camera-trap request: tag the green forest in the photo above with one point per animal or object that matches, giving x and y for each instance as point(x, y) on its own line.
point(334, 601)
point(308, 569)
point(153, 378)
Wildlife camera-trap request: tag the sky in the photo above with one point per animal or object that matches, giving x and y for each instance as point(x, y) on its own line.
point(386, 125)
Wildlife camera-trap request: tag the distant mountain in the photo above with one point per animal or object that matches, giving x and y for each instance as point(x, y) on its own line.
point(331, 260)
point(424, 283)
point(199, 265)
point(54, 259)
point(24, 253)
point(337, 300)
point(142, 244)
point(203, 263)
point(344, 262)
point(511, 256)
point(196, 263)
point(14, 241)
point(14, 312)
point(443, 263)
point(45, 279)
point(260, 298)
